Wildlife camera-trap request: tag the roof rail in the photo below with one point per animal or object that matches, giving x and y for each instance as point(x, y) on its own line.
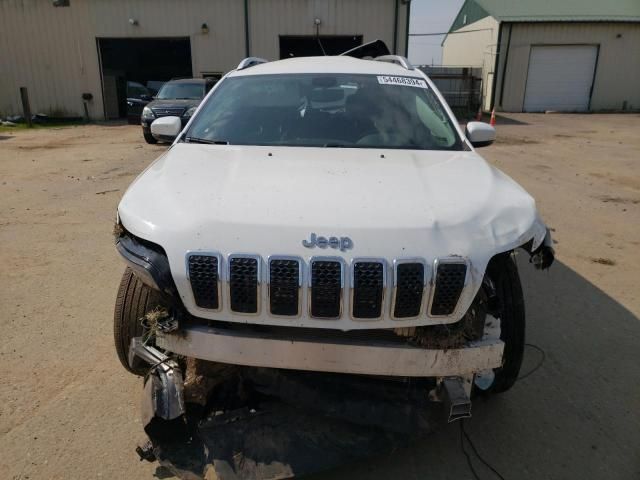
point(250, 62)
point(397, 59)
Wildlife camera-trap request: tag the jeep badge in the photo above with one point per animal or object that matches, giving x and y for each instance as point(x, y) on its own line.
point(343, 243)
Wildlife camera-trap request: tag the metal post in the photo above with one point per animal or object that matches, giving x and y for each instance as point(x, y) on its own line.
point(26, 108)
point(395, 29)
point(406, 33)
point(247, 35)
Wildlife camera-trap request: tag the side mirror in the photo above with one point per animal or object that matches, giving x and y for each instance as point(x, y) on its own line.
point(480, 134)
point(146, 97)
point(166, 129)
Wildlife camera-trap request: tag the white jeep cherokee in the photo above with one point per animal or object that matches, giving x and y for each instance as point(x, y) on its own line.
point(328, 214)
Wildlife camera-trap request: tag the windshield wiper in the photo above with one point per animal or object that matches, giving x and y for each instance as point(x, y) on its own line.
point(205, 141)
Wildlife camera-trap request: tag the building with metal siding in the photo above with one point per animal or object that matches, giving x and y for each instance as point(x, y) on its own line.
point(58, 52)
point(476, 47)
point(567, 55)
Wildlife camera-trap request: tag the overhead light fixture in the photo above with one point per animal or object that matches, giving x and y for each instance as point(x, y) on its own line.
point(133, 22)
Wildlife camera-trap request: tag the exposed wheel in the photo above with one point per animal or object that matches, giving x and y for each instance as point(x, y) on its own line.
point(149, 138)
point(134, 300)
point(510, 309)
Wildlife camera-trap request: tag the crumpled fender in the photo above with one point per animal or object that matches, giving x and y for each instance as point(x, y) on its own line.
point(541, 248)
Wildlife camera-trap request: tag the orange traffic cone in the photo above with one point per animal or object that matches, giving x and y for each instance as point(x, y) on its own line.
point(479, 114)
point(492, 122)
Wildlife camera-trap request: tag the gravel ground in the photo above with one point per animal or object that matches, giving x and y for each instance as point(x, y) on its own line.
point(68, 410)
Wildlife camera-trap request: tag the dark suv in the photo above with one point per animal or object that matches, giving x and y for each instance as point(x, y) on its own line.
point(178, 98)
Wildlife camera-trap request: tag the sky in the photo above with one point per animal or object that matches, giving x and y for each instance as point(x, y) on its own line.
point(430, 16)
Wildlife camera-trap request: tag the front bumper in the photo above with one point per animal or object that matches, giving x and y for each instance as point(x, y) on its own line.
point(251, 348)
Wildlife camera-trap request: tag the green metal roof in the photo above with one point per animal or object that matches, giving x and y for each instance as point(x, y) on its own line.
point(562, 10)
point(550, 11)
point(469, 12)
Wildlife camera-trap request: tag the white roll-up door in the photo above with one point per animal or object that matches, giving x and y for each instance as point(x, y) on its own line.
point(560, 78)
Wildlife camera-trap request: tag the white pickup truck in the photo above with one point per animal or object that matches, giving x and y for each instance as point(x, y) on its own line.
point(327, 214)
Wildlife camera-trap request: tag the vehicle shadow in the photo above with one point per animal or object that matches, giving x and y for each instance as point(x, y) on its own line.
point(574, 417)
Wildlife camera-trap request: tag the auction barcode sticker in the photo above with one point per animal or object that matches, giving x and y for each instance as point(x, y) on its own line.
point(402, 81)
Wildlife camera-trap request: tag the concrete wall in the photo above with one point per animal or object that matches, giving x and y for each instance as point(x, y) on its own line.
point(477, 48)
point(53, 51)
point(617, 78)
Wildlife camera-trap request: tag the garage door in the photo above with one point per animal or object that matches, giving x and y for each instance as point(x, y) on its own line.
point(560, 78)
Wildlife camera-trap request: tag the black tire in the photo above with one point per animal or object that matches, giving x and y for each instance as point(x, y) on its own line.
point(504, 273)
point(134, 300)
point(149, 138)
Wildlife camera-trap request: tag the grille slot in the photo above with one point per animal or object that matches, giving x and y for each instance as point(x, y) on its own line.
point(205, 280)
point(368, 289)
point(326, 288)
point(167, 111)
point(284, 287)
point(409, 285)
point(243, 284)
point(449, 284)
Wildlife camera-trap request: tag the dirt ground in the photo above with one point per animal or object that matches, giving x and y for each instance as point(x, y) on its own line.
point(68, 410)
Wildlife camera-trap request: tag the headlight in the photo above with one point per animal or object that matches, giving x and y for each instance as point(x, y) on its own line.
point(190, 112)
point(148, 261)
point(147, 113)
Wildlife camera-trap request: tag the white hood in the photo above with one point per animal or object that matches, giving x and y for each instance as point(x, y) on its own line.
point(267, 200)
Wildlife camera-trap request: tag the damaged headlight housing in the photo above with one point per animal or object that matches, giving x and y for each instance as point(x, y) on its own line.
point(147, 260)
point(147, 113)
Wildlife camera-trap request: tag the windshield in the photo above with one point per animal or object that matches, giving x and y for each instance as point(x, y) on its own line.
point(177, 91)
point(326, 110)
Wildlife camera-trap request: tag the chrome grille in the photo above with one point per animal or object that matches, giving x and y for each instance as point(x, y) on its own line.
point(243, 283)
point(326, 288)
point(409, 283)
point(324, 294)
point(368, 289)
point(449, 282)
point(284, 286)
point(168, 111)
point(205, 280)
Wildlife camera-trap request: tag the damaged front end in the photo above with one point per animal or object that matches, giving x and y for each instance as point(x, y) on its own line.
point(250, 422)
point(214, 389)
point(543, 255)
point(163, 385)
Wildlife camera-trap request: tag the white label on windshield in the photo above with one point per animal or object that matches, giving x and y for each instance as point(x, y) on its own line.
point(402, 81)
